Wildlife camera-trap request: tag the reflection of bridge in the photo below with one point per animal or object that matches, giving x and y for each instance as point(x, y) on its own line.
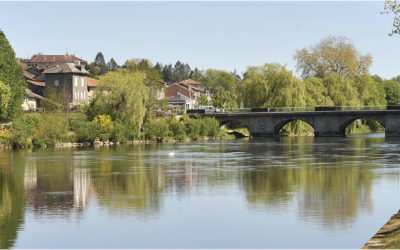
point(325, 123)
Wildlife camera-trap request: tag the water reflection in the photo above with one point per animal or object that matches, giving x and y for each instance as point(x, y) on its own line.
point(327, 181)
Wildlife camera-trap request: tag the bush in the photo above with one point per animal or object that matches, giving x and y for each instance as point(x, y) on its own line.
point(38, 142)
point(86, 131)
point(53, 128)
point(107, 127)
point(193, 128)
point(177, 129)
point(156, 129)
point(122, 132)
point(23, 129)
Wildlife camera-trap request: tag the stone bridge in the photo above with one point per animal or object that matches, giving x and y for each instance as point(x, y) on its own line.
point(325, 123)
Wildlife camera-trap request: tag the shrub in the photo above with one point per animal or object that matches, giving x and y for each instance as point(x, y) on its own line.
point(107, 126)
point(177, 129)
point(123, 132)
point(156, 129)
point(23, 129)
point(86, 131)
point(53, 128)
point(193, 128)
point(38, 142)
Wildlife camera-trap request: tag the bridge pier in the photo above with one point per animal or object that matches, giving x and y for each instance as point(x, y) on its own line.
point(327, 126)
point(392, 126)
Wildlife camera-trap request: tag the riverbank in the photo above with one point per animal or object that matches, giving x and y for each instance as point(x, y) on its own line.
point(76, 130)
point(388, 237)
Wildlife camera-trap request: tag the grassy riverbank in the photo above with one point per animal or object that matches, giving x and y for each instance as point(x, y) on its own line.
point(55, 129)
point(388, 237)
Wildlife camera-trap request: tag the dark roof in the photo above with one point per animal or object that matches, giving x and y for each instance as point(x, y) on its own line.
point(30, 94)
point(66, 68)
point(37, 83)
point(52, 59)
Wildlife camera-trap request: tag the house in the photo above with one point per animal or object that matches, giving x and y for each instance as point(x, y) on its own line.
point(180, 97)
point(47, 61)
point(31, 101)
point(71, 80)
point(196, 88)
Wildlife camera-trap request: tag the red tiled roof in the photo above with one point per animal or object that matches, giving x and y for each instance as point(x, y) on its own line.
point(52, 59)
point(29, 75)
point(91, 82)
point(173, 90)
point(190, 82)
point(42, 84)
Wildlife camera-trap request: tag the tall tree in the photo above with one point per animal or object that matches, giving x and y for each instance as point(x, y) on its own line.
point(123, 95)
point(100, 62)
point(332, 55)
point(112, 65)
point(11, 74)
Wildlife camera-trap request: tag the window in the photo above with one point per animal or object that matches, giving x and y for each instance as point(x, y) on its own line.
point(82, 82)
point(75, 94)
point(84, 94)
point(56, 83)
point(76, 81)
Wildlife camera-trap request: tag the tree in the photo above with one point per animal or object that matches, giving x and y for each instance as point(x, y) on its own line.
point(203, 100)
point(100, 62)
point(392, 91)
point(332, 55)
point(11, 75)
point(393, 7)
point(112, 65)
point(181, 72)
point(224, 100)
point(5, 95)
point(271, 85)
point(317, 93)
point(341, 90)
point(216, 79)
point(123, 95)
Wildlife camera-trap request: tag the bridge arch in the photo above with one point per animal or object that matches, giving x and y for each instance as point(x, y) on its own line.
point(346, 122)
point(283, 123)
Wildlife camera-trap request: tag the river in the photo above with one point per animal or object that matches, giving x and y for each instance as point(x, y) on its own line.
point(294, 192)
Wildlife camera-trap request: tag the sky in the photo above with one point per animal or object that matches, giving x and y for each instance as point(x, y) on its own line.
point(219, 35)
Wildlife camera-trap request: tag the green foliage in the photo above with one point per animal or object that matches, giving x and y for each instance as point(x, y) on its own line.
point(11, 75)
point(332, 55)
point(106, 125)
point(122, 95)
point(5, 95)
point(342, 90)
point(86, 131)
point(203, 100)
point(123, 133)
point(393, 7)
point(271, 85)
point(224, 100)
point(177, 128)
point(23, 128)
point(156, 129)
point(317, 93)
point(53, 128)
point(392, 91)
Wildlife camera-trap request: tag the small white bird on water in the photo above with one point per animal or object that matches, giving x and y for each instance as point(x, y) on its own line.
point(172, 154)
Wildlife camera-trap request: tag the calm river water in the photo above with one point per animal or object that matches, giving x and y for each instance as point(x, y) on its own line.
point(300, 192)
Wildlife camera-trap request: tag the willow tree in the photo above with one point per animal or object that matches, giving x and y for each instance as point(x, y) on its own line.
point(342, 90)
point(11, 74)
point(122, 94)
point(5, 95)
point(332, 55)
point(271, 85)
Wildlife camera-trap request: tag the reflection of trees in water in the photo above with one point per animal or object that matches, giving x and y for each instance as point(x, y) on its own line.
point(128, 185)
point(328, 183)
point(12, 199)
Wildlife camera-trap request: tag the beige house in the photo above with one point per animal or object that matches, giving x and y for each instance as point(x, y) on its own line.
point(31, 101)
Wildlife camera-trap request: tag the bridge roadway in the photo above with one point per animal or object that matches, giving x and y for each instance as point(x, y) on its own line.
point(325, 123)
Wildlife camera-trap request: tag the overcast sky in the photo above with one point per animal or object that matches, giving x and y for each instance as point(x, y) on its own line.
point(221, 35)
